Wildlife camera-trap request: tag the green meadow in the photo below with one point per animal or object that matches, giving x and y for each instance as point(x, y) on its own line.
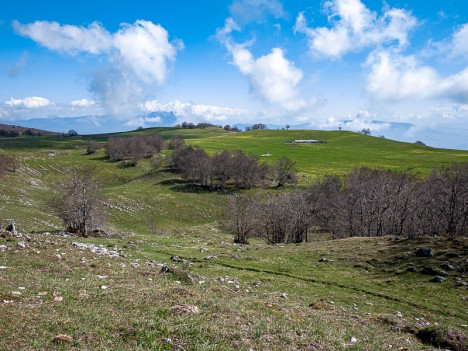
point(366, 294)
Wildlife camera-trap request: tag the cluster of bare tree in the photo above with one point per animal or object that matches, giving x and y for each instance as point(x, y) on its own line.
point(281, 218)
point(7, 164)
point(134, 148)
point(365, 203)
point(242, 170)
point(230, 168)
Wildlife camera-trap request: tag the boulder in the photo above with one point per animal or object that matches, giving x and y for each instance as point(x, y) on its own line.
point(438, 279)
point(424, 252)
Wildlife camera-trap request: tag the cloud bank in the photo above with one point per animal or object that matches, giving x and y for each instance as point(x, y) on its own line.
point(207, 113)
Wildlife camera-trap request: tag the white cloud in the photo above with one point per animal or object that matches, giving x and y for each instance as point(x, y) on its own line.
point(273, 77)
point(246, 11)
point(183, 110)
point(353, 27)
point(459, 42)
point(93, 39)
point(145, 48)
point(137, 55)
point(83, 103)
point(32, 102)
point(394, 77)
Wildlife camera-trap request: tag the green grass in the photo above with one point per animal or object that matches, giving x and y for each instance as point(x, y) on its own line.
point(360, 292)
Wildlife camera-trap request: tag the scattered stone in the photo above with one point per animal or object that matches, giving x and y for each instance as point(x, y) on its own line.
point(353, 339)
point(12, 229)
point(210, 257)
point(3, 248)
point(22, 244)
point(447, 266)
point(399, 314)
point(104, 287)
point(284, 296)
point(323, 259)
point(135, 265)
point(16, 293)
point(102, 276)
point(424, 252)
point(438, 279)
point(63, 338)
point(203, 249)
point(165, 269)
point(58, 298)
point(99, 249)
point(4, 267)
point(184, 308)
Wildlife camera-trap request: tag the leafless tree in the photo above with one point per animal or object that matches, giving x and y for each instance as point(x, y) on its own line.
point(241, 219)
point(92, 147)
point(78, 203)
point(7, 164)
point(176, 142)
point(285, 170)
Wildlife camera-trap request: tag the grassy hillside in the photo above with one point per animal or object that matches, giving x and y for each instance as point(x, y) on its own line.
point(367, 294)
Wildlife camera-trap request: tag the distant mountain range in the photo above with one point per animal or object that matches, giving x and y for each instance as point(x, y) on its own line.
point(446, 136)
point(99, 124)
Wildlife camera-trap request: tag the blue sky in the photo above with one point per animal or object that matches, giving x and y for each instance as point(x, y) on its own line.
point(319, 64)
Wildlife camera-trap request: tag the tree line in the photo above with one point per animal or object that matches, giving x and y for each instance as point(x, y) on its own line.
point(366, 202)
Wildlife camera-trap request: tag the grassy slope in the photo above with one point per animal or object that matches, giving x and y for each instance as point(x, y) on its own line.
point(356, 295)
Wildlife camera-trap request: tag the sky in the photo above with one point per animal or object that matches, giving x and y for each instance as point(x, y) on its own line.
point(397, 67)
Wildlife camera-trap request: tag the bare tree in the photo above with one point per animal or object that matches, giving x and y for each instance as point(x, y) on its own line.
point(7, 163)
point(92, 147)
point(285, 170)
point(78, 203)
point(241, 219)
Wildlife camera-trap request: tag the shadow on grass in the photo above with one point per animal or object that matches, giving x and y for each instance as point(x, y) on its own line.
point(192, 188)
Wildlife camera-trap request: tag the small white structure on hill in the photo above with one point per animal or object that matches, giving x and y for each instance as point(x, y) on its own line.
point(307, 141)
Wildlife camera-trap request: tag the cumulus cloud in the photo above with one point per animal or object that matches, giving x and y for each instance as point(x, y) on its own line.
point(31, 102)
point(209, 113)
point(137, 54)
point(353, 27)
point(246, 11)
point(272, 76)
point(392, 77)
point(93, 39)
point(145, 48)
